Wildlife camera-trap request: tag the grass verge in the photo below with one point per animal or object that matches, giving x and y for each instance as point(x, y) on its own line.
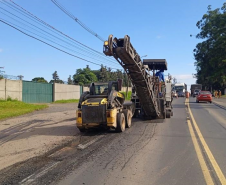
point(16, 108)
point(128, 96)
point(67, 101)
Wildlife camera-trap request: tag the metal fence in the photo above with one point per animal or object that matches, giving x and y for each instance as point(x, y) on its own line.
point(34, 92)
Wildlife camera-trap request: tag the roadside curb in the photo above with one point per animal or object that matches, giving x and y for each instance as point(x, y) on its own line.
point(217, 104)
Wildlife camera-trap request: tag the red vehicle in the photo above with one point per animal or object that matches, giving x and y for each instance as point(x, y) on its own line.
point(204, 96)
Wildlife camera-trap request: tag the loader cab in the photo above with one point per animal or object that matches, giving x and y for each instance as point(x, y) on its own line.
point(105, 88)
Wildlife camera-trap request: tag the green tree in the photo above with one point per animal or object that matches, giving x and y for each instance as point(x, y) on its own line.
point(104, 74)
point(69, 80)
point(56, 78)
point(84, 76)
point(39, 79)
point(210, 54)
point(57, 81)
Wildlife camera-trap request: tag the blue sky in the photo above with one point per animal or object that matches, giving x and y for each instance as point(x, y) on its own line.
point(159, 29)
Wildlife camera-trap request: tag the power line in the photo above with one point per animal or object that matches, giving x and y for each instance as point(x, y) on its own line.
point(33, 16)
point(77, 20)
point(42, 36)
point(47, 43)
point(86, 48)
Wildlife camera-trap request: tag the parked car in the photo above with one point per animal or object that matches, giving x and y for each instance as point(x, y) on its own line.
point(181, 94)
point(196, 92)
point(204, 96)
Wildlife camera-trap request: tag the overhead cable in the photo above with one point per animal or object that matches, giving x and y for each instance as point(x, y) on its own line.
point(48, 34)
point(77, 20)
point(27, 14)
point(1, 20)
point(18, 7)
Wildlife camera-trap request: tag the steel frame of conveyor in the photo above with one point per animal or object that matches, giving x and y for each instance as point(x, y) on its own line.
point(139, 76)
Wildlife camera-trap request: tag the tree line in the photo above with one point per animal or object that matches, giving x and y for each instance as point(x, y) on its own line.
point(85, 76)
point(210, 54)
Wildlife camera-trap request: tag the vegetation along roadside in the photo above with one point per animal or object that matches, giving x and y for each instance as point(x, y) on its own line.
point(10, 108)
point(67, 101)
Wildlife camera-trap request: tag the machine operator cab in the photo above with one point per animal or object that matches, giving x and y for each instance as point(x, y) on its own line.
point(105, 88)
point(157, 66)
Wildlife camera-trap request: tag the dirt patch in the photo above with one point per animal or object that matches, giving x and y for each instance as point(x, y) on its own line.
point(34, 134)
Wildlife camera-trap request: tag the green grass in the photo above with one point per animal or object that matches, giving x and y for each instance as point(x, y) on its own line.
point(67, 101)
point(128, 96)
point(10, 108)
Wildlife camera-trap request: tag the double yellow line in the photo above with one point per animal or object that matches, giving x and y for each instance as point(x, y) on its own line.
point(205, 170)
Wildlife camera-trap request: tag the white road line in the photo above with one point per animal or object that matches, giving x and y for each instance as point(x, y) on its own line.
point(82, 147)
point(34, 176)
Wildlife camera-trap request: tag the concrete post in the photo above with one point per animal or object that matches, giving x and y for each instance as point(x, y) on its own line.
point(54, 96)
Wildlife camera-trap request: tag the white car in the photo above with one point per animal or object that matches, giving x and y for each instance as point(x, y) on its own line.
point(174, 94)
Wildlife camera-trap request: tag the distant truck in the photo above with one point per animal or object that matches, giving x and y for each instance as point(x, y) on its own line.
point(180, 89)
point(195, 87)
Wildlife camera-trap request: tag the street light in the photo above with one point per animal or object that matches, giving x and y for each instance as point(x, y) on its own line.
point(144, 56)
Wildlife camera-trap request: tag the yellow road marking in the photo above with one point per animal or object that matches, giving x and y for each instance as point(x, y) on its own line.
point(202, 162)
point(207, 150)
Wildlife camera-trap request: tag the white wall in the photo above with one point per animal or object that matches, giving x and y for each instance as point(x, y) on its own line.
point(85, 88)
point(65, 92)
point(124, 89)
point(11, 88)
point(2, 89)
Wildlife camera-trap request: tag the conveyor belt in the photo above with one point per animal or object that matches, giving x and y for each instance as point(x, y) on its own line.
point(126, 55)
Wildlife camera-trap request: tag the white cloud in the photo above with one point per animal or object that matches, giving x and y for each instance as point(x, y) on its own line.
point(1, 50)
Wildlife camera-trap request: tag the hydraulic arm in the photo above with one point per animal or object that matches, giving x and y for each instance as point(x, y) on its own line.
point(123, 51)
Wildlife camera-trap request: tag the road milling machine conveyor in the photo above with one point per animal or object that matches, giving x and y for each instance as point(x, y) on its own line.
point(154, 96)
point(104, 105)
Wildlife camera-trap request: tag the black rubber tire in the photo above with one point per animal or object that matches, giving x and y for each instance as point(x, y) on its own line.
point(210, 101)
point(128, 117)
point(197, 101)
point(121, 122)
point(162, 107)
point(168, 113)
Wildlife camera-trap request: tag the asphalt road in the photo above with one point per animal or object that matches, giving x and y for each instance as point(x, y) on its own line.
point(150, 152)
point(161, 152)
point(211, 121)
